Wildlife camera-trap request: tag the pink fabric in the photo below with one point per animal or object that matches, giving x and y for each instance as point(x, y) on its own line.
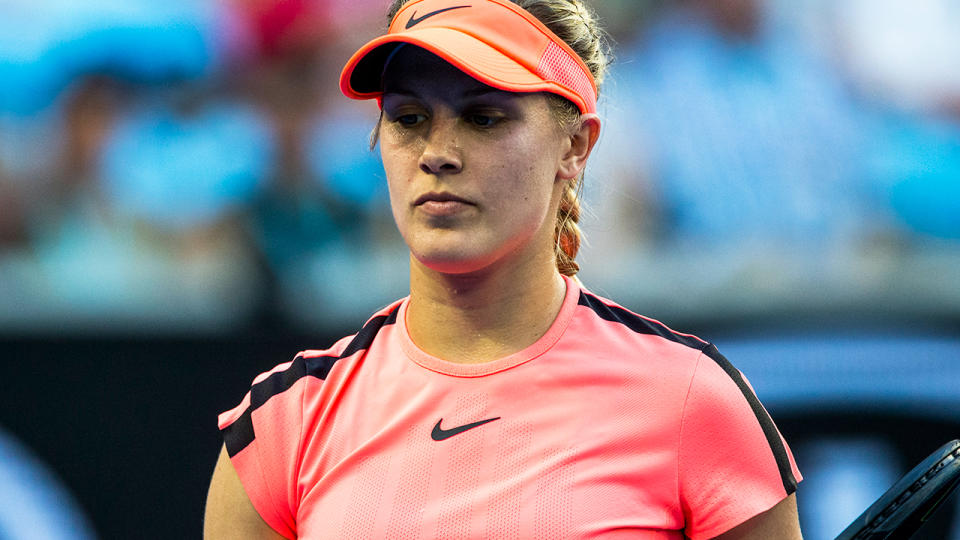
point(555, 65)
point(602, 432)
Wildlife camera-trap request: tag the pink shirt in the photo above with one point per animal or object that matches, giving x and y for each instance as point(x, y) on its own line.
point(611, 425)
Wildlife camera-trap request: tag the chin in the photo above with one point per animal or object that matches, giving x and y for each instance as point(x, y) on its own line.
point(450, 263)
point(463, 254)
point(449, 252)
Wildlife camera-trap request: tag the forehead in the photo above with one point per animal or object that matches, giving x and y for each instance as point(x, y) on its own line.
point(414, 69)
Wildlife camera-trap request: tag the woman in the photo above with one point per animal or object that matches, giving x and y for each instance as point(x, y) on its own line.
point(500, 399)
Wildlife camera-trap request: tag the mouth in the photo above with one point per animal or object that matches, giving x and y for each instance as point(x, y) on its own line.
point(441, 204)
point(439, 197)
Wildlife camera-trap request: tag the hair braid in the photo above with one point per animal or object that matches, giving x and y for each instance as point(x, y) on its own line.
point(567, 233)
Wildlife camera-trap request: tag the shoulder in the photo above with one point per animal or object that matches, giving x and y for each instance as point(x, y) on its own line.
point(318, 363)
point(686, 362)
point(263, 434)
point(604, 321)
point(281, 387)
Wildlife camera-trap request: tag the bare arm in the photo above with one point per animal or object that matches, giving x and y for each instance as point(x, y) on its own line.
point(780, 522)
point(229, 513)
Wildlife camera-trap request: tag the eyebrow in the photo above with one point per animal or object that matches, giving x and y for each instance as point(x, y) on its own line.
point(476, 92)
point(488, 90)
point(400, 92)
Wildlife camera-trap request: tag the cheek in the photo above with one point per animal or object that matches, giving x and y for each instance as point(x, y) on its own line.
point(525, 196)
point(389, 154)
point(397, 162)
point(395, 147)
point(393, 164)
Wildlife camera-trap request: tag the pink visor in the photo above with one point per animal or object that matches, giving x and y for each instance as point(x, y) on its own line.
point(494, 41)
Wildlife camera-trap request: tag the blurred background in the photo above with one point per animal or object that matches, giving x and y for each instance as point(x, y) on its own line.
point(186, 200)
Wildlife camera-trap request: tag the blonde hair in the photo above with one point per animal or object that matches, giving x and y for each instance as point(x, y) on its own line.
point(576, 24)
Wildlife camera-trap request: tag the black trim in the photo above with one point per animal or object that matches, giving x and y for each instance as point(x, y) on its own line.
point(769, 428)
point(637, 323)
point(239, 434)
point(642, 325)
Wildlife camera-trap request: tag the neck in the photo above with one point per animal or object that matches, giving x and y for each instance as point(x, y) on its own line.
point(481, 317)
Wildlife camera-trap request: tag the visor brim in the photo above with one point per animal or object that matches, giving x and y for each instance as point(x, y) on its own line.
point(361, 77)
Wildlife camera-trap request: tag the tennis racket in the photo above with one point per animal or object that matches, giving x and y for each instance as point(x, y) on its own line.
point(899, 512)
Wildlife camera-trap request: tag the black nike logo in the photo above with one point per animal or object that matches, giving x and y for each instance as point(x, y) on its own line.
point(414, 20)
point(440, 434)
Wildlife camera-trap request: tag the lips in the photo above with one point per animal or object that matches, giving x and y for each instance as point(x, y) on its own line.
point(441, 204)
point(439, 197)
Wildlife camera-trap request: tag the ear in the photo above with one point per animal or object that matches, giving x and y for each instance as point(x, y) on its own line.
point(581, 144)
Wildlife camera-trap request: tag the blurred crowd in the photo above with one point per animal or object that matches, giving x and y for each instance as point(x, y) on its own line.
point(191, 165)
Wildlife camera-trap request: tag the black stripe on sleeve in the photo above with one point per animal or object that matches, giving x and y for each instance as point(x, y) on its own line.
point(638, 324)
point(769, 428)
point(650, 327)
point(240, 433)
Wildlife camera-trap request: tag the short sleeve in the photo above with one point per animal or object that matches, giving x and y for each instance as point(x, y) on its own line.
point(262, 436)
point(733, 462)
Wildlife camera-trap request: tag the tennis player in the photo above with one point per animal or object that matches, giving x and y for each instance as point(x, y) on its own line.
point(501, 399)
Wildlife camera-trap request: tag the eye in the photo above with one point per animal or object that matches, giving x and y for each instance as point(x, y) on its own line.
point(410, 120)
point(482, 120)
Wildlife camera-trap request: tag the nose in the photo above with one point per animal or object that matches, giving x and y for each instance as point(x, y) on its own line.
point(441, 153)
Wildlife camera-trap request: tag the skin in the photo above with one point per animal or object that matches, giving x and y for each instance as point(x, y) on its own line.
point(475, 178)
point(229, 513)
point(483, 276)
point(780, 522)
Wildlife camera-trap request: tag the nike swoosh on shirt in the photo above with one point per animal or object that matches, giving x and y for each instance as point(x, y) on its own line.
point(440, 434)
point(414, 20)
